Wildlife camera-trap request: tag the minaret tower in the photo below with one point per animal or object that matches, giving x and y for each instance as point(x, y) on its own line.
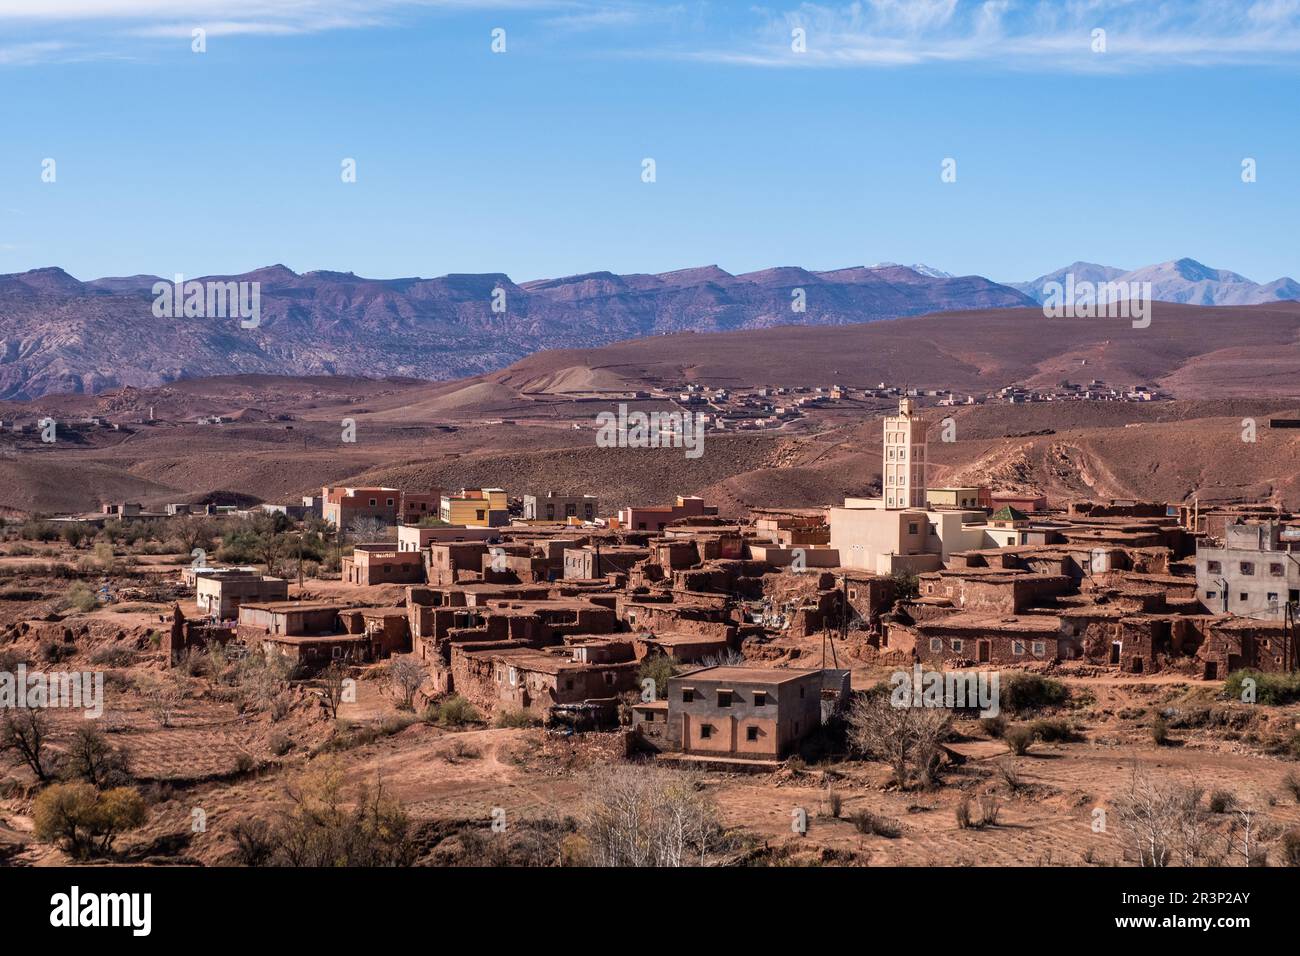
point(903, 473)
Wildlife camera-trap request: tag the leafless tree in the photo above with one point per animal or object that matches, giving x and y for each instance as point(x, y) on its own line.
point(263, 680)
point(406, 675)
point(333, 683)
point(26, 732)
point(163, 693)
point(906, 738)
point(640, 816)
point(90, 757)
point(1247, 836)
point(728, 658)
point(193, 531)
point(1161, 822)
point(364, 529)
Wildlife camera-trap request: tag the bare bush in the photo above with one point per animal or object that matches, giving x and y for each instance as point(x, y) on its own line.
point(26, 732)
point(333, 684)
point(91, 758)
point(406, 676)
point(641, 816)
point(906, 738)
point(163, 693)
point(1161, 822)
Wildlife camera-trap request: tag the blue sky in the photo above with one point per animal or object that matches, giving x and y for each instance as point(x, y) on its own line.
point(529, 162)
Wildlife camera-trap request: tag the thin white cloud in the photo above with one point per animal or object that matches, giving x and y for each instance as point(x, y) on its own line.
point(22, 54)
point(1039, 34)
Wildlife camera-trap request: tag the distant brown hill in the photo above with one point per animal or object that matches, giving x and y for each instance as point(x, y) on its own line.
point(1193, 351)
point(58, 334)
point(515, 427)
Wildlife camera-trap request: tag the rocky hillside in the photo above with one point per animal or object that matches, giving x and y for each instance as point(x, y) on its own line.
point(58, 334)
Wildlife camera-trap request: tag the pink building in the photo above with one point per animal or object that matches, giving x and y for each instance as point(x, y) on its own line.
point(658, 517)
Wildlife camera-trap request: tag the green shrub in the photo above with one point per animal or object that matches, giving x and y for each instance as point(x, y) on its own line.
point(1291, 847)
point(82, 598)
point(1022, 692)
point(86, 820)
point(1160, 731)
point(1221, 801)
point(55, 652)
point(995, 727)
point(963, 814)
point(870, 823)
point(1269, 688)
point(1291, 784)
point(1054, 730)
point(1018, 738)
point(658, 668)
point(516, 718)
point(453, 711)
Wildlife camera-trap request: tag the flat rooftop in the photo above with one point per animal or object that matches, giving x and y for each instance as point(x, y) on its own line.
point(748, 675)
point(293, 606)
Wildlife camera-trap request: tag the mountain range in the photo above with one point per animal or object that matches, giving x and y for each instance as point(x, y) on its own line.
point(59, 334)
point(1184, 281)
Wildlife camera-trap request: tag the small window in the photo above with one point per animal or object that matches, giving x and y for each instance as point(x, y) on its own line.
point(936, 644)
point(373, 502)
point(706, 731)
point(1272, 597)
point(1211, 595)
point(1275, 570)
point(390, 502)
point(1017, 647)
point(1248, 567)
point(957, 644)
point(912, 528)
point(1213, 567)
point(688, 695)
point(724, 698)
point(760, 698)
point(1243, 597)
point(751, 733)
point(1040, 648)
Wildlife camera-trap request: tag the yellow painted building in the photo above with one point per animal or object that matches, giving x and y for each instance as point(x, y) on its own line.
point(476, 507)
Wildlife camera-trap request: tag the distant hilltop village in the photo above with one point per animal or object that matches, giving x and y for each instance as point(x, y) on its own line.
point(551, 604)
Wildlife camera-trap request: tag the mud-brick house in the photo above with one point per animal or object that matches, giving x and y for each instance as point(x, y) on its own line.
point(371, 564)
point(741, 712)
point(993, 639)
point(315, 633)
point(453, 562)
point(1234, 643)
point(219, 593)
point(386, 628)
point(508, 675)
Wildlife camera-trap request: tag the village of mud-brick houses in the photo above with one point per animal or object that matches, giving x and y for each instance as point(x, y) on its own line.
point(545, 606)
